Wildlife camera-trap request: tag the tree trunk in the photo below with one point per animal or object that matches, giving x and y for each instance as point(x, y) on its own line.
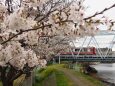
point(5, 83)
point(8, 75)
point(28, 81)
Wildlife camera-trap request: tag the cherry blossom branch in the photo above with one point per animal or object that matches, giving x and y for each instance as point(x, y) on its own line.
point(52, 9)
point(58, 42)
point(22, 31)
point(101, 12)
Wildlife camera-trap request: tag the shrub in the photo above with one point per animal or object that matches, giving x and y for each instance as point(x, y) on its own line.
point(43, 73)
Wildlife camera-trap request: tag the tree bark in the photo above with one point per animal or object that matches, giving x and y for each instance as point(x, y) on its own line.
point(6, 83)
point(8, 75)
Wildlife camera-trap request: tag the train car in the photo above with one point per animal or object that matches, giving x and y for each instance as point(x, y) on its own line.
point(81, 51)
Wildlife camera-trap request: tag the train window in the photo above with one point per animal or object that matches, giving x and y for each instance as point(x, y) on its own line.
point(88, 49)
point(82, 50)
point(77, 49)
point(85, 49)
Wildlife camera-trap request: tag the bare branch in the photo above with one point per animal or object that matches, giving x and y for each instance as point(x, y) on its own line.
point(9, 4)
point(101, 12)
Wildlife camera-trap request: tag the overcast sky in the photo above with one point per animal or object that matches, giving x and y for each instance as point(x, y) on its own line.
point(96, 6)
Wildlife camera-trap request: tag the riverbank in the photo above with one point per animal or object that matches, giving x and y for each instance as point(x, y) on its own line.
point(94, 75)
point(66, 77)
point(108, 83)
point(106, 71)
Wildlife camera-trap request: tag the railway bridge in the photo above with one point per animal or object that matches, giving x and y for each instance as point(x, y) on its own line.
point(101, 55)
point(85, 58)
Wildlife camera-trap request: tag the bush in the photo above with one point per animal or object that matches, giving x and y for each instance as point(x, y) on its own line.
point(43, 73)
point(41, 69)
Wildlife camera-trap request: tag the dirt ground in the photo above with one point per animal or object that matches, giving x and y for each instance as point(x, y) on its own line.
point(77, 81)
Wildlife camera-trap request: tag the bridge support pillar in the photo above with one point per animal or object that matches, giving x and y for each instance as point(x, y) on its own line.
point(59, 59)
point(86, 69)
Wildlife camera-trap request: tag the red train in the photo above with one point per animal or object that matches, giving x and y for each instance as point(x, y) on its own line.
point(83, 51)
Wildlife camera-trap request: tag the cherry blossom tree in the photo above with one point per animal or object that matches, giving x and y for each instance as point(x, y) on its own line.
point(49, 47)
point(33, 20)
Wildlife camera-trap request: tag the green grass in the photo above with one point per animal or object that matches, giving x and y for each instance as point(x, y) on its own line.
point(62, 80)
point(43, 74)
point(40, 76)
point(96, 82)
point(93, 80)
point(49, 81)
point(0, 83)
point(19, 80)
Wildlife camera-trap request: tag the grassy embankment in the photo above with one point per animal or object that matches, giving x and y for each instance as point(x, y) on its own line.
point(53, 76)
point(49, 73)
point(62, 79)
